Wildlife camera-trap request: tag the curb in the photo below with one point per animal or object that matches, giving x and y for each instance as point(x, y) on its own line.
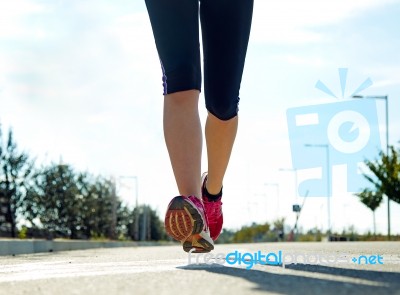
point(17, 247)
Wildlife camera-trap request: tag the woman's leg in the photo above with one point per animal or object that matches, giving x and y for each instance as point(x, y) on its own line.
point(183, 136)
point(226, 29)
point(220, 136)
point(175, 26)
point(176, 32)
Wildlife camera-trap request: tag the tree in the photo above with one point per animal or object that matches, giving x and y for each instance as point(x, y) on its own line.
point(99, 206)
point(279, 228)
point(157, 230)
point(125, 223)
point(16, 168)
point(225, 237)
point(372, 200)
point(54, 202)
point(150, 226)
point(253, 233)
point(386, 170)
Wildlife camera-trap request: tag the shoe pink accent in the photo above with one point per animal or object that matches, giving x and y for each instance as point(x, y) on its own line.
point(213, 212)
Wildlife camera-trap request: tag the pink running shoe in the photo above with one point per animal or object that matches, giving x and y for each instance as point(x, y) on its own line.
point(213, 211)
point(186, 221)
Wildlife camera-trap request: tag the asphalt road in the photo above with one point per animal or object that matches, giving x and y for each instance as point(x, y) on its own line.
point(321, 268)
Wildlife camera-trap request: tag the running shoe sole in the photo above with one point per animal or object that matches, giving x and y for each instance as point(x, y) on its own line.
point(183, 222)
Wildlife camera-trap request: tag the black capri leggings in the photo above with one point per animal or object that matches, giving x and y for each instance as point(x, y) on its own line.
point(225, 26)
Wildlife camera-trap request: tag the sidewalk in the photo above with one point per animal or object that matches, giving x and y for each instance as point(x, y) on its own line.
point(168, 271)
point(18, 246)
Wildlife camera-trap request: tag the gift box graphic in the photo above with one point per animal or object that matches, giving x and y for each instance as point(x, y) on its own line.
point(349, 131)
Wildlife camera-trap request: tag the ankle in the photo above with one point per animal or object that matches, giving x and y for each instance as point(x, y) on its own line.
point(213, 188)
point(213, 195)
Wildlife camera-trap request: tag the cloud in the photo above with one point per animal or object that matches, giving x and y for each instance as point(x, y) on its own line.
point(12, 14)
point(85, 85)
point(386, 75)
point(302, 60)
point(291, 21)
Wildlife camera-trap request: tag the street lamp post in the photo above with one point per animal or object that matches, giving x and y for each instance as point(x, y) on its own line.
point(386, 98)
point(328, 183)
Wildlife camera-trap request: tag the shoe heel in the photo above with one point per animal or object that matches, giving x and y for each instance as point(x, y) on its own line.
point(199, 244)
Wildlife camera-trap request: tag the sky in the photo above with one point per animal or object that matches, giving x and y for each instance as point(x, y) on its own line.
point(80, 81)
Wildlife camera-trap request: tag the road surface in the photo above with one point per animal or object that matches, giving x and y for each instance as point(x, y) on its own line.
point(321, 268)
